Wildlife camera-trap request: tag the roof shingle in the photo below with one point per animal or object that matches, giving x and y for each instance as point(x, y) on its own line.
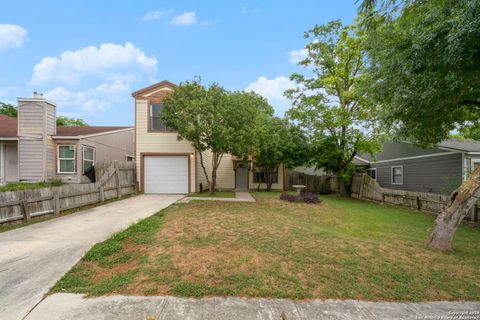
point(8, 127)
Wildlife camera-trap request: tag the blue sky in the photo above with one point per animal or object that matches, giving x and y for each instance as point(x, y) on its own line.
point(88, 56)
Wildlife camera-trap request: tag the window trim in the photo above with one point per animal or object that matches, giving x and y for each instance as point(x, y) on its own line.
point(74, 158)
point(372, 169)
point(149, 118)
point(83, 157)
point(473, 162)
point(391, 175)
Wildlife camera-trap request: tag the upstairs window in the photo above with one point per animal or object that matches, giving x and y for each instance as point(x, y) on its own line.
point(155, 123)
point(66, 159)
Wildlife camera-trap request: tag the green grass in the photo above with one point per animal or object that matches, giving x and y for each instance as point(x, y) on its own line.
point(19, 224)
point(14, 186)
point(339, 249)
point(218, 194)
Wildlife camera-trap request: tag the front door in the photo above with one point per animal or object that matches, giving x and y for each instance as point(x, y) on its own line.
point(241, 176)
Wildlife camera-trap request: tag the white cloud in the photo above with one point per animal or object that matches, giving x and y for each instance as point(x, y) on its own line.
point(155, 15)
point(11, 36)
point(106, 61)
point(273, 90)
point(185, 19)
point(295, 56)
point(90, 101)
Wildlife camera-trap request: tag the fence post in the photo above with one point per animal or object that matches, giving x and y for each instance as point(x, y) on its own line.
point(117, 180)
point(25, 213)
point(383, 197)
point(362, 182)
point(56, 203)
point(102, 194)
point(417, 201)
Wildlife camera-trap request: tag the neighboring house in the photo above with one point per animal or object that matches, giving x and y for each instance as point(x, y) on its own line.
point(33, 148)
point(439, 169)
point(168, 165)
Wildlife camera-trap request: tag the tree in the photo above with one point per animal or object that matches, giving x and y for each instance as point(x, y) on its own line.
point(425, 72)
point(279, 142)
point(215, 120)
point(70, 122)
point(12, 111)
point(328, 105)
point(8, 110)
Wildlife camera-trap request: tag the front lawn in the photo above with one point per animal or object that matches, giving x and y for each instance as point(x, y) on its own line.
point(338, 249)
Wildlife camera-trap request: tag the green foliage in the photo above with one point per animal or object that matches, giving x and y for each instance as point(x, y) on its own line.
point(425, 69)
point(329, 106)
point(8, 110)
point(212, 118)
point(279, 142)
point(70, 122)
point(13, 186)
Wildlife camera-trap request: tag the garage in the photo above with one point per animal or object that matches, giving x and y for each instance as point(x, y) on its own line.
point(166, 174)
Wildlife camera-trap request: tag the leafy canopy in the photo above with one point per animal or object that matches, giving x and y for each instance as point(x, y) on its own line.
point(70, 122)
point(425, 67)
point(12, 111)
point(8, 110)
point(328, 104)
point(212, 118)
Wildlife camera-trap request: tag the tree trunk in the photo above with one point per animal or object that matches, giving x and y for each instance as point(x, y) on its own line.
point(341, 186)
point(457, 207)
point(213, 182)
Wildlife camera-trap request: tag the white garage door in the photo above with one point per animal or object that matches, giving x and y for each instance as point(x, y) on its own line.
point(166, 174)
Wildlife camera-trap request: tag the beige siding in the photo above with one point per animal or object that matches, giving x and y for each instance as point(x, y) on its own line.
point(225, 172)
point(31, 160)
point(31, 119)
point(9, 162)
point(158, 142)
point(51, 158)
point(36, 121)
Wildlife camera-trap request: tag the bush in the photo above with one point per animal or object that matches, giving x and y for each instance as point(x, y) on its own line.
point(307, 197)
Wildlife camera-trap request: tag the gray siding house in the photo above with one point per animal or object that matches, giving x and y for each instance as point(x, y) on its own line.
point(440, 169)
point(33, 148)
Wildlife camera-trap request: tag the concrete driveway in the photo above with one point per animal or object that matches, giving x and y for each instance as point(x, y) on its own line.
point(34, 258)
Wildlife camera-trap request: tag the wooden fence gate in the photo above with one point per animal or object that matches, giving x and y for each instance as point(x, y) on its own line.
point(116, 179)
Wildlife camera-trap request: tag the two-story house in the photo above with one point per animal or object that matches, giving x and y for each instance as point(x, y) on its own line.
point(33, 148)
point(168, 165)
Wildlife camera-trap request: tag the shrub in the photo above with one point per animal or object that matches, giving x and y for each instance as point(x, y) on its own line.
point(307, 197)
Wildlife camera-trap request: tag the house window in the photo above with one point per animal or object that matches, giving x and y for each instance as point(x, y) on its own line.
point(155, 123)
point(66, 159)
point(88, 158)
point(397, 175)
point(260, 176)
point(372, 172)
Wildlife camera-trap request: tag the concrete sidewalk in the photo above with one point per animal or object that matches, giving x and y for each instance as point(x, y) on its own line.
point(35, 257)
point(72, 306)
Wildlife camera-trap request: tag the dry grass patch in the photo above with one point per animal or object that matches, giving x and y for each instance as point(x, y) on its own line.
point(341, 249)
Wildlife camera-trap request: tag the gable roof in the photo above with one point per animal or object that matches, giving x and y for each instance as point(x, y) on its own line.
point(8, 127)
point(400, 150)
point(153, 87)
point(86, 130)
point(465, 145)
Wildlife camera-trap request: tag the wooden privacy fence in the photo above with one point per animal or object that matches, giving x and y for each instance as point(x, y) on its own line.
point(321, 184)
point(115, 179)
point(364, 187)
